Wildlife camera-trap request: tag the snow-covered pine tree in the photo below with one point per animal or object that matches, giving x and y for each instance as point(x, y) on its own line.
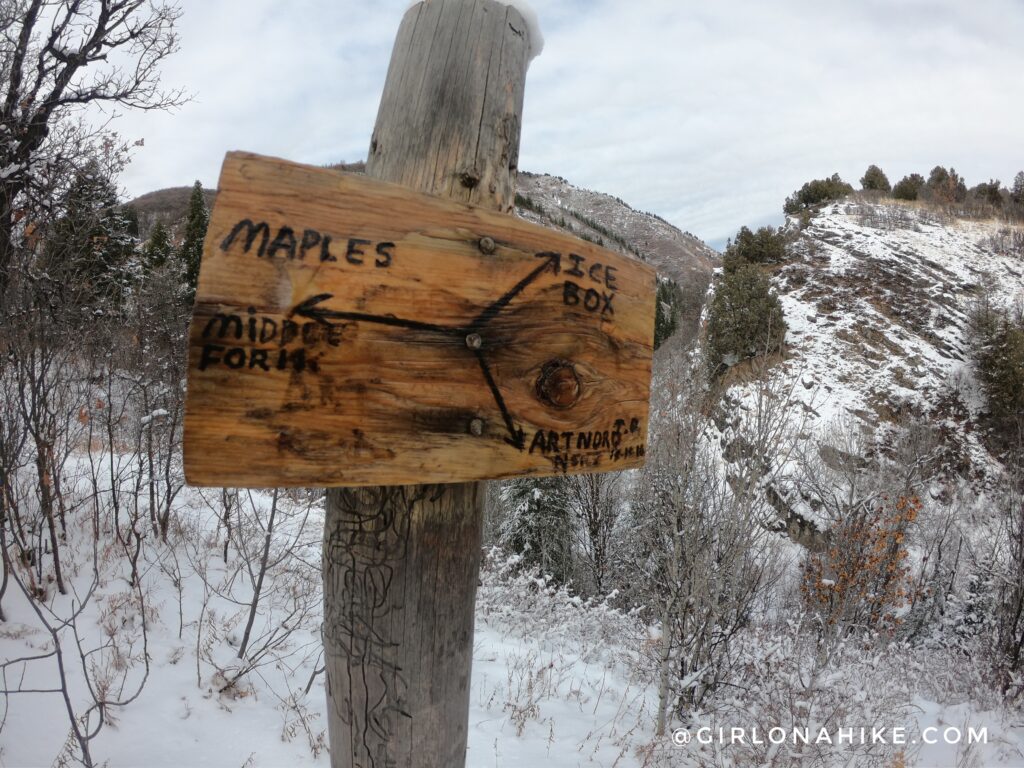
point(196, 222)
point(538, 524)
point(158, 248)
point(89, 250)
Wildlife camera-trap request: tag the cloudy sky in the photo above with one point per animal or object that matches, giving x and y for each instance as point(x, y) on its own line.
point(707, 113)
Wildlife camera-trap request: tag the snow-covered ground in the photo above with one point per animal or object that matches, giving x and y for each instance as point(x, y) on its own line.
point(557, 681)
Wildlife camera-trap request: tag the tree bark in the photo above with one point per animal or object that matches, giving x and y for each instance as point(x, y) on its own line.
point(401, 563)
point(43, 471)
point(5, 564)
point(258, 588)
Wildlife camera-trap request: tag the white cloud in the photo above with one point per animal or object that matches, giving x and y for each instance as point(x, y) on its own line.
point(707, 113)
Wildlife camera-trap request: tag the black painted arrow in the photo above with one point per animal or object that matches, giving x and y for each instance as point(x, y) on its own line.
point(310, 310)
point(552, 261)
point(516, 437)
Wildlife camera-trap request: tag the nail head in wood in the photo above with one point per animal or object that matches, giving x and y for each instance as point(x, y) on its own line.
point(473, 341)
point(476, 427)
point(487, 245)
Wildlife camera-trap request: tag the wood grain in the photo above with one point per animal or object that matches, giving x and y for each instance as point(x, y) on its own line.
point(401, 563)
point(350, 332)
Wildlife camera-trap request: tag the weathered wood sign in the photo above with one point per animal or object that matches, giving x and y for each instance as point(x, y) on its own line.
point(348, 331)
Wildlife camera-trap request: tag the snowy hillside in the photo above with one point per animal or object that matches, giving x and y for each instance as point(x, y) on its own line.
point(877, 390)
point(876, 297)
point(877, 308)
point(555, 202)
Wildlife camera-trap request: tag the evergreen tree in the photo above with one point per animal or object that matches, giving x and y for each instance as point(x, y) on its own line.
point(158, 248)
point(959, 186)
point(744, 318)
point(999, 356)
point(909, 187)
point(766, 246)
point(817, 192)
point(1017, 193)
point(938, 177)
point(539, 524)
point(196, 222)
point(90, 247)
point(131, 218)
point(989, 192)
point(875, 180)
point(667, 310)
point(946, 186)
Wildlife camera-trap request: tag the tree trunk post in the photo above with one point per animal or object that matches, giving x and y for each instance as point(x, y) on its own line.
point(401, 564)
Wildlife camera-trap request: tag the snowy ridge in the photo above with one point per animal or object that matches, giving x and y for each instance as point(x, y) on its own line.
point(674, 253)
point(553, 202)
point(876, 300)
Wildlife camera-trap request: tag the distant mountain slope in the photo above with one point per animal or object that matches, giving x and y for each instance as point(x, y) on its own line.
point(595, 215)
point(166, 205)
point(554, 202)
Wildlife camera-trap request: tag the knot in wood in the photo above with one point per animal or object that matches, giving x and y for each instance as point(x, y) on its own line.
point(558, 384)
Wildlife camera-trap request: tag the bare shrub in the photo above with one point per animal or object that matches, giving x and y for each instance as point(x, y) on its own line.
point(262, 602)
point(1008, 241)
point(861, 581)
point(707, 530)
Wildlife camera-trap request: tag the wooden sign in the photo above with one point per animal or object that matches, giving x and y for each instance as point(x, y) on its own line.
point(347, 331)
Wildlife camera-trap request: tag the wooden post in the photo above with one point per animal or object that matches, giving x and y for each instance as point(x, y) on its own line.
point(401, 564)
